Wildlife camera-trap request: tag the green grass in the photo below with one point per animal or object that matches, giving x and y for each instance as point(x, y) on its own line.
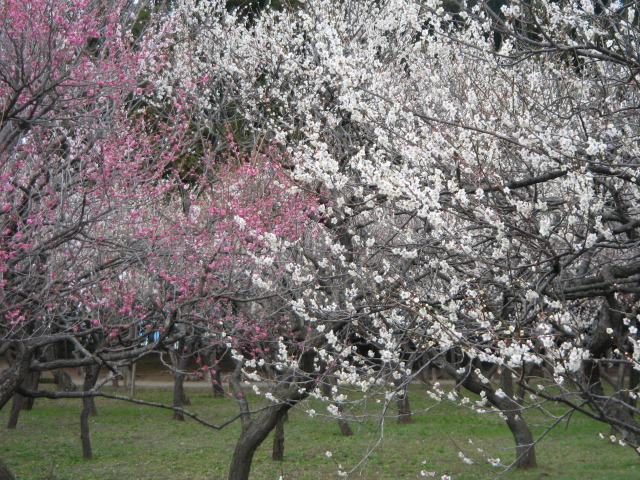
point(135, 443)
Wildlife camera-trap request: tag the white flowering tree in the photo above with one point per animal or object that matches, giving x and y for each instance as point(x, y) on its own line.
point(477, 167)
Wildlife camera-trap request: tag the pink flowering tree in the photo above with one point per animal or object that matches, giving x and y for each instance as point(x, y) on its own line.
point(113, 239)
point(65, 72)
point(78, 161)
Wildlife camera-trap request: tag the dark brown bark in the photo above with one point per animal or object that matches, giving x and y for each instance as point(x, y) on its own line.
point(216, 383)
point(424, 370)
point(404, 409)
point(606, 284)
point(255, 431)
point(88, 409)
point(16, 406)
point(525, 450)
point(64, 381)
point(132, 380)
point(19, 402)
point(216, 377)
point(180, 362)
point(622, 373)
point(402, 400)
point(251, 438)
point(12, 377)
point(30, 383)
point(614, 410)
point(611, 409)
point(525, 447)
point(345, 428)
point(328, 387)
point(5, 473)
point(178, 395)
point(278, 439)
point(526, 375)
point(61, 378)
point(85, 438)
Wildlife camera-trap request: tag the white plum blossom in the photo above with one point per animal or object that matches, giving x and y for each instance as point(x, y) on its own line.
point(471, 197)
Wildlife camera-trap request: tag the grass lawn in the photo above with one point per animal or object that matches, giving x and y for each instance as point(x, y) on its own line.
point(135, 442)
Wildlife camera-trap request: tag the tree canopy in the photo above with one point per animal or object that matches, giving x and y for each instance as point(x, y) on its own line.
point(329, 190)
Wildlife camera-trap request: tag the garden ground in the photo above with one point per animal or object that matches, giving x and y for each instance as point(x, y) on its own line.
point(142, 443)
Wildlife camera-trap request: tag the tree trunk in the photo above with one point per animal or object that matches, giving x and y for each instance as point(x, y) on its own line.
point(12, 377)
point(634, 381)
point(345, 428)
point(525, 448)
point(526, 375)
point(61, 378)
point(19, 401)
point(622, 373)
point(64, 381)
point(180, 362)
point(5, 473)
point(404, 409)
point(30, 383)
point(216, 383)
point(251, 438)
point(331, 383)
point(278, 439)
point(132, 380)
point(92, 375)
point(615, 409)
point(88, 410)
point(216, 377)
point(178, 395)
point(327, 386)
point(85, 438)
point(16, 406)
point(254, 432)
point(424, 370)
